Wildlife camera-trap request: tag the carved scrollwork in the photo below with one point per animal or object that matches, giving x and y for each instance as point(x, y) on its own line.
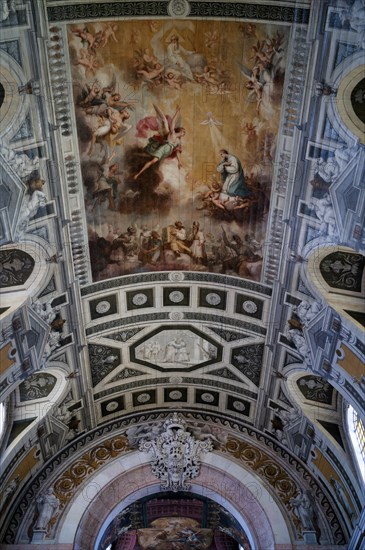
point(175, 454)
point(87, 464)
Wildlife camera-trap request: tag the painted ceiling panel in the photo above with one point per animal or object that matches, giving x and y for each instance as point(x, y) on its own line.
point(158, 197)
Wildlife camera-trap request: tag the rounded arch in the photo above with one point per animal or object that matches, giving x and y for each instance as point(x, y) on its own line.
point(15, 106)
point(37, 406)
point(347, 105)
point(220, 479)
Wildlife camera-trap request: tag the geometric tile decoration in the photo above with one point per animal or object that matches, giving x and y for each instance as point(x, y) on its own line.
point(103, 359)
point(138, 299)
point(37, 386)
point(176, 296)
point(107, 305)
point(212, 298)
point(175, 394)
point(248, 360)
point(315, 388)
point(126, 373)
point(205, 397)
point(225, 372)
point(124, 335)
point(238, 405)
point(248, 305)
point(228, 335)
point(182, 348)
point(146, 397)
point(112, 406)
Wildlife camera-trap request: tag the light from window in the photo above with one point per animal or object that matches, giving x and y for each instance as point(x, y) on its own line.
point(357, 434)
point(2, 419)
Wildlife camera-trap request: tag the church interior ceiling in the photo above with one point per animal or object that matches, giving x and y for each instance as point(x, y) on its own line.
point(182, 205)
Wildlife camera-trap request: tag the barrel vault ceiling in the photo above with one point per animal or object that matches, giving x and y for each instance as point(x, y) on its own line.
point(181, 209)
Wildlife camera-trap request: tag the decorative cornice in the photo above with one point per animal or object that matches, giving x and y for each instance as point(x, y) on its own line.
point(157, 8)
point(165, 276)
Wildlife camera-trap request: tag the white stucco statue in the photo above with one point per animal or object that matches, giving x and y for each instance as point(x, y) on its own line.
point(304, 510)
point(342, 498)
point(22, 165)
point(306, 311)
point(326, 215)
point(47, 506)
point(52, 344)
point(299, 342)
point(46, 311)
point(32, 201)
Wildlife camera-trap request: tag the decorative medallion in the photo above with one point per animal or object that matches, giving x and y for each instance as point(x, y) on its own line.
point(249, 307)
point(102, 307)
point(239, 406)
point(175, 379)
point(175, 394)
point(207, 397)
point(175, 454)
point(208, 298)
point(176, 276)
point(143, 398)
point(178, 8)
point(176, 316)
point(108, 305)
point(213, 299)
point(176, 296)
point(139, 299)
point(112, 406)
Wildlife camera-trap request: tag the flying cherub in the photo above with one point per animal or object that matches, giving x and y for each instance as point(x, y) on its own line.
point(261, 83)
point(166, 143)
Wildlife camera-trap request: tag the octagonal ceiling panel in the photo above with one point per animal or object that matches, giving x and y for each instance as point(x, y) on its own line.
point(181, 348)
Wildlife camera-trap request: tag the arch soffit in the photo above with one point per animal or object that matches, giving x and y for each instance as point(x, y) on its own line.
point(220, 479)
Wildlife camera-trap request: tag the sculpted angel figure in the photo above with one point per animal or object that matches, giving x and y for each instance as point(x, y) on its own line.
point(166, 143)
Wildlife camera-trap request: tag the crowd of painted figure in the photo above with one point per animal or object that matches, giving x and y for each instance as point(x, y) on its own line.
point(154, 248)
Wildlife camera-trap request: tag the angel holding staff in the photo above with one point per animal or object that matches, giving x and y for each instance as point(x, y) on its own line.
point(166, 143)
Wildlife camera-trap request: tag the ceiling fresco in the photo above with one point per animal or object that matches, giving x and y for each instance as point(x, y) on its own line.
point(182, 202)
point(177, 126)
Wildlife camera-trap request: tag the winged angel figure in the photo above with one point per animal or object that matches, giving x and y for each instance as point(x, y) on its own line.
point(167, 143)
point(264, 81)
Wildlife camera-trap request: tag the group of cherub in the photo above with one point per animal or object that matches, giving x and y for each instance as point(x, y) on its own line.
point(90, 43)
